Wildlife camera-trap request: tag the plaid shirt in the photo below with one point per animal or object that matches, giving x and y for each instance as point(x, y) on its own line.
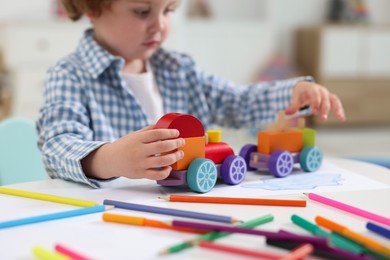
point(87, 103)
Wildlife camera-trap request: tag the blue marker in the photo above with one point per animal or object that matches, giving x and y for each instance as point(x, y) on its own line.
point(378, 229)
point(53, 216)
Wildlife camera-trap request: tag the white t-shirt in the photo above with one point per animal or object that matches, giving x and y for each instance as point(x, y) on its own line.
point(147, 93)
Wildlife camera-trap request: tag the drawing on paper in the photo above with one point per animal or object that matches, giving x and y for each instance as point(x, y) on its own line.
point(298, 182)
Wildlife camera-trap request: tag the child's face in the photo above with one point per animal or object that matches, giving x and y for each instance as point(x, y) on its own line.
point(134, 29)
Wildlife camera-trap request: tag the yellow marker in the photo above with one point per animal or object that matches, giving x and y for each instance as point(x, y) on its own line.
point(47, 197)
point(44, 254)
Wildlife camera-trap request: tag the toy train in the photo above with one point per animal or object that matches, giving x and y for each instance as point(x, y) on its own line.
point(206, 158)
point(278, 150)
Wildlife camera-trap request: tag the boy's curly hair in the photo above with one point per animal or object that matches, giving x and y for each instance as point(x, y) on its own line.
point(77, 8)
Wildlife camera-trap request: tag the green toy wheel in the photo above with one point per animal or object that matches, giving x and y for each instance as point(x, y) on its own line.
point(310, 158)
point(202, 175)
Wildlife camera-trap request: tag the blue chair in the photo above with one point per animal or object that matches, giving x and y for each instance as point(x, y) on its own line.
point(20, 158)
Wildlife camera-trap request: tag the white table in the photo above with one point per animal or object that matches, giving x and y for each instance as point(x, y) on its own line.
point(93, 237)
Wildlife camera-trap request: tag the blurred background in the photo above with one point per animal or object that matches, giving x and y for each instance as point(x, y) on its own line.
point(344, 44)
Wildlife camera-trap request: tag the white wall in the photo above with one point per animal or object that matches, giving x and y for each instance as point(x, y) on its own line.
point(26, 9)
point(379, 11)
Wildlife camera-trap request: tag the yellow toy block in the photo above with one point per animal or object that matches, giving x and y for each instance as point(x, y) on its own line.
point(193, 148)
point(214, 136)
point(289, 140)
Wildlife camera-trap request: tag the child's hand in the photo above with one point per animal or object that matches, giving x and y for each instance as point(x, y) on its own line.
point(318, 98)
point(134, 155)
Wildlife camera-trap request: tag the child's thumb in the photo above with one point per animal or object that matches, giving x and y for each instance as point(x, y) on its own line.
point(294, 106)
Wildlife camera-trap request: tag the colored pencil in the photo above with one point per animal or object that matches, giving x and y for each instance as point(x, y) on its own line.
point(52, 216)
point(233, 229)
point(323, 251)
point(378, 229)
point(241, 201)
point(216, 235)
point(70, 252)
point(368, 242)
point(45, 254)
point(47, 197)
point(351, 209)
point(299, 252)
point(170, 212)
point(237, 250)
point(328, 249)
point(335, 238)
point(139, 221)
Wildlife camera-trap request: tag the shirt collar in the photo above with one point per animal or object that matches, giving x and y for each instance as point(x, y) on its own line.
point(95, 58)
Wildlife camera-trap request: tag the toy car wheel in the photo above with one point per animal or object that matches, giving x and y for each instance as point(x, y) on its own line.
point(202, 175)
point(233, 169)
point(245, 153)
point(310, 158)
point(281, 163)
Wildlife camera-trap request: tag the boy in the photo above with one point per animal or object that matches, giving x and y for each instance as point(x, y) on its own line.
point(100, 99)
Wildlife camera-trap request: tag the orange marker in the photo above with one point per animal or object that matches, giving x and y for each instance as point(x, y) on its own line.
point(139, 221)
point(242, 201)
point(368, 242)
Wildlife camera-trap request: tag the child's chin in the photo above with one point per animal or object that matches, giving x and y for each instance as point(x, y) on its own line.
point(147, 54)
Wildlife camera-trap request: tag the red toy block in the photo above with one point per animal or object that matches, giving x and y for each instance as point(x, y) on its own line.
point(289, 140)
point(188, 125)
point(217, 152)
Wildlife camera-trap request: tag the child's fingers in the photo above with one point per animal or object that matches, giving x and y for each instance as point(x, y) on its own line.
point(163, 160)
point(154, 135)
point(337, 107)
point(163, 146)
point(149, 127)
point(315, 97)
point(325, 104)
point(158, 174)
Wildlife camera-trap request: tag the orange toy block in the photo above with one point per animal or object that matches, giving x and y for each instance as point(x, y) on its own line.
point(194, 148)
point(289, 140)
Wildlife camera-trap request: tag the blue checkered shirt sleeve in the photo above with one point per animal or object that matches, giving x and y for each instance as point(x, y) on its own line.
point(65, 135)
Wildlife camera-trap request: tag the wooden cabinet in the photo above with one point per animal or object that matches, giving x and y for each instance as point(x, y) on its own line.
point(354, 63)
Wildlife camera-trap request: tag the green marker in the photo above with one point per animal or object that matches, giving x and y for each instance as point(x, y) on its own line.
point(216, 235)
point(336, 239)
point(307, 225)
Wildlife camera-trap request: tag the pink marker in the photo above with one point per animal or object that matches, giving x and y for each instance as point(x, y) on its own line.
point(70, 253)
point(351, 209)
